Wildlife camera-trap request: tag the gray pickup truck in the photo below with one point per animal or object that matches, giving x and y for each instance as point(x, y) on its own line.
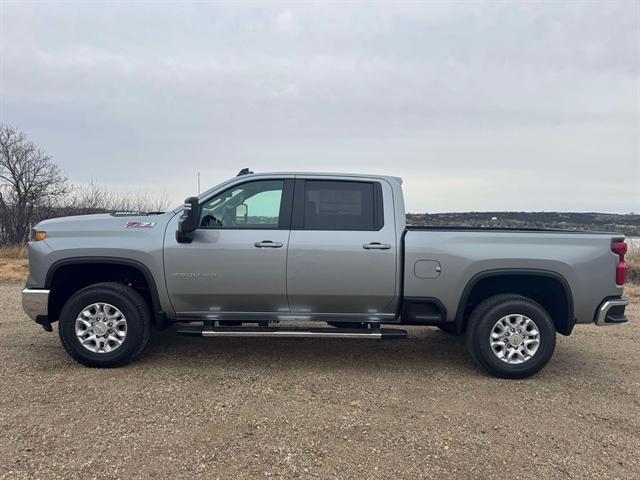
point(316, 255)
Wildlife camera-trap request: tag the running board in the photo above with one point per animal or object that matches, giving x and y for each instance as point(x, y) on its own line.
point(375, 334)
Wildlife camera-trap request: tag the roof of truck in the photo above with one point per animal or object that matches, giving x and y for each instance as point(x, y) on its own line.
point(327, 174)
point(248, 174)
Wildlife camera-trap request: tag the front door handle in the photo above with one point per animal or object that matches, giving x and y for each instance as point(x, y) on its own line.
point(267, 244)
point(376, 246)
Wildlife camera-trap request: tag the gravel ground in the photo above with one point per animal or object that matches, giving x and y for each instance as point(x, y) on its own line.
point(257, 408)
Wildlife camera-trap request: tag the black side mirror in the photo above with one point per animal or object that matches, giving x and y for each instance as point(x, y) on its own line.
point(189, 220)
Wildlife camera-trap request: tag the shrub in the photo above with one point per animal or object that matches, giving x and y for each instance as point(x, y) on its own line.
point(633, 263)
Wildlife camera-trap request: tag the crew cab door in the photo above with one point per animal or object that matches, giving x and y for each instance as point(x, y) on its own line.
point(342, 248)
point(236, 263)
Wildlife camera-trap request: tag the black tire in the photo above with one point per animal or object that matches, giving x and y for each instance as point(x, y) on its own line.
point(482, 321)
point(125, 299)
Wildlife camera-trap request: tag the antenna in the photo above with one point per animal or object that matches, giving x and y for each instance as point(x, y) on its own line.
point(198, 183)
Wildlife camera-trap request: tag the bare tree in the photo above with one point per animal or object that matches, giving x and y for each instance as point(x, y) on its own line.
point(95, 198)
point(33, 188)
point(28, 180)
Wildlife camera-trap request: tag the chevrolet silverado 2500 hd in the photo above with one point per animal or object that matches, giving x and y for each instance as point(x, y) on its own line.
point(261, 254)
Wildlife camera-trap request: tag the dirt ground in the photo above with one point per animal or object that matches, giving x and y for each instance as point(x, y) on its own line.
point(268, 408)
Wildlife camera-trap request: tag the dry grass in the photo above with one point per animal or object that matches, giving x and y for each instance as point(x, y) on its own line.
point(13, 269)
point(632, 291)
point(13, 251)
point(633, 265)
point(632, 259)
point(14, 265)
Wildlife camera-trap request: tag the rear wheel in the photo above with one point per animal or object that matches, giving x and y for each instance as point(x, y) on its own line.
point(105, 325)
point(511, 336)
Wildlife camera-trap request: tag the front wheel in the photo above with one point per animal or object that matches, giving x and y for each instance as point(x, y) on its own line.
point(511, 336)
point(105, 325)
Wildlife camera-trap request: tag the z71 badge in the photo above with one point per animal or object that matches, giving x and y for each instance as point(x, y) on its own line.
point(140, 225)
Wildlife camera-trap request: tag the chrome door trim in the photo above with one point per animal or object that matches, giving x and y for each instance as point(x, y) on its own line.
point(286, 316)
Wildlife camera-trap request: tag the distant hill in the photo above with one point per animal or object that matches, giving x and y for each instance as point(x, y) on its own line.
point(628, 224)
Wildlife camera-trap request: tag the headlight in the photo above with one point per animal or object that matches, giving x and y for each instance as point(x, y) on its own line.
point(37, 235)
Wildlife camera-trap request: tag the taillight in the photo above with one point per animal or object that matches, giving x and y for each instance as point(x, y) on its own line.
point(620, 249)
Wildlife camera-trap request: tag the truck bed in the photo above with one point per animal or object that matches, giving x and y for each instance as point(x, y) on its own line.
point(440, 262)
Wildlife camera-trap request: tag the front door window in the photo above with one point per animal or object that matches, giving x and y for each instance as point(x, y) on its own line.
point(250, 205)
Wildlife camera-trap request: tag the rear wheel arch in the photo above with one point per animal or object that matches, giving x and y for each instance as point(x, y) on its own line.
point(67, 276)
point(550, 289)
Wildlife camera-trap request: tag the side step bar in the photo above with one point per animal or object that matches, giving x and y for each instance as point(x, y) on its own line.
point(375, 334)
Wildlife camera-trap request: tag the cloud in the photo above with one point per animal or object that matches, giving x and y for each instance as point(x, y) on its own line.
point(285, 22)
point(474, 95)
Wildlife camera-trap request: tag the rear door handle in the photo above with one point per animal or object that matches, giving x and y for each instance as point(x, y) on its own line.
point(267, 244)
point(376, 246)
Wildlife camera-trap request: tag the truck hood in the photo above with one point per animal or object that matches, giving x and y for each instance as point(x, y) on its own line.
point(110, 224)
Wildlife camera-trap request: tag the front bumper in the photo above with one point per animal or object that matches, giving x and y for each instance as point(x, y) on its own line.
point(35, 303)
point(611, 311)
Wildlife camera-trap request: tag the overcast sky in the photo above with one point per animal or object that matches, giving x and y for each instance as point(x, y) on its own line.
point(478, 106)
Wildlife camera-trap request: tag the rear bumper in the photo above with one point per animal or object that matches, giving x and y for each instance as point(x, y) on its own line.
point(35, 303)
point(611, 311)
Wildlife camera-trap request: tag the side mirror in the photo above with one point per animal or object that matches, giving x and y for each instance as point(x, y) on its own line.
point(242, 213)
point(189, 220)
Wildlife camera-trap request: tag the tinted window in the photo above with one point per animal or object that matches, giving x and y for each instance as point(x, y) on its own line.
point(250, 205)
point(332, 205)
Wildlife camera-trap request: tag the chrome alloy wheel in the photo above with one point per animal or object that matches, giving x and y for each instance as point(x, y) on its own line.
point(514, 338)
point(101, 328)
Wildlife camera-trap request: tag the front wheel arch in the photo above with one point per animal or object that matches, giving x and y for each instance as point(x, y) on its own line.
point(67, 276)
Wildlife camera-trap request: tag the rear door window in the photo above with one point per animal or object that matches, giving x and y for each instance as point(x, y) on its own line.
point(339, 205)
